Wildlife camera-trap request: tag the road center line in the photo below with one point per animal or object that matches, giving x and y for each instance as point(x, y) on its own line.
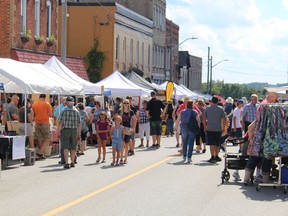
point(85, 197)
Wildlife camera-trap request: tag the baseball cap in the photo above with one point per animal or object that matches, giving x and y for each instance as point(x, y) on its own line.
point(152, 93)
point(240, 102)
point(70, 99)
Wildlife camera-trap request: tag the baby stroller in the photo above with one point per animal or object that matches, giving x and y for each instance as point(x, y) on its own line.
point(234, 161)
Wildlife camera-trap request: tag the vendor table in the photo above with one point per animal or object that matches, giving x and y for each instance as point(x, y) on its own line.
point(13, 146)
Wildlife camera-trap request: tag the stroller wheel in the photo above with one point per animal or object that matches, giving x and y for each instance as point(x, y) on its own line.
point(258, 188)
point(227, 176)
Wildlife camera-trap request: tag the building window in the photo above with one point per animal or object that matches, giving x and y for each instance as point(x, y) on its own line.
point(149, 55)
point(49, 19)
point(124, 49)
point(142, 54)
point(137, 53)
point(37, 18)
point(117, 48)
point(154, 17)
point(23, 16)
point(131, 52)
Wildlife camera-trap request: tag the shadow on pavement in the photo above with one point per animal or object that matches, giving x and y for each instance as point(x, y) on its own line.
point(111, 167)
point(55, 170)
point(266, 194)
point(53, 165)
point(179, 163)
point(205, 163)
point(146, 149)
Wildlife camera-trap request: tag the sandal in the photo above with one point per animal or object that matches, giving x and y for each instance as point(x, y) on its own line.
point(121, 161)
point(112, 164)
point(98, 160)
point(103, 161)
point(125, 162)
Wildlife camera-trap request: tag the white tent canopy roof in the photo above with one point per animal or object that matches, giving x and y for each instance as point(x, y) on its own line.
point(121, 86)
point(57, 67)
point(193, 95)
point(178, 91)
point(19, 77)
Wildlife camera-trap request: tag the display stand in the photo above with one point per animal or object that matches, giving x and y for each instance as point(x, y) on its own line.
point(276, 183)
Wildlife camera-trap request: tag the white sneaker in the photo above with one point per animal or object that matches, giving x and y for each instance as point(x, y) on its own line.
point(236, 176)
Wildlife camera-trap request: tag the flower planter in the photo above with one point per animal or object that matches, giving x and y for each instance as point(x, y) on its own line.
point(24, 39)
point(50, 43)
point(38, 42)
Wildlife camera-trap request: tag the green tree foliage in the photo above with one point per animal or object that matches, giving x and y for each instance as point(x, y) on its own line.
point(95, 59)
point(233, 90)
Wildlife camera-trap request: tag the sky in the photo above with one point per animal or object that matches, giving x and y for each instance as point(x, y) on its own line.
point(251, 34)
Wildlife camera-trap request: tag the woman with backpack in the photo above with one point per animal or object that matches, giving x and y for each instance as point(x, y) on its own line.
point(190, 124)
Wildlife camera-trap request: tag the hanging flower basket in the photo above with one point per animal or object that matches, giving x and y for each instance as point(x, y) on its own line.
point(38, 42)
point(24, 39)
point(50, 43)
point(38, 39)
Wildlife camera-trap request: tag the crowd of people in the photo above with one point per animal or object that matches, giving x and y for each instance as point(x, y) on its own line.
point(200, 122)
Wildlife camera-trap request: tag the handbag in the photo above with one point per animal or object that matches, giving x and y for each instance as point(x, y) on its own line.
point(128, 131)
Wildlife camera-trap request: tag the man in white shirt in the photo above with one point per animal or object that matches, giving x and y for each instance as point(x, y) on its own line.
point(237, 129)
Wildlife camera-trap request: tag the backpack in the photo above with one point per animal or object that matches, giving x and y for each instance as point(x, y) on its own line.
point(192, 124)
point(83, 120)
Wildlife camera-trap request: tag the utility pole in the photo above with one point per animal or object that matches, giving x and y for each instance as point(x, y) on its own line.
point(208, 68)
point(64, 31)
point(211, 75)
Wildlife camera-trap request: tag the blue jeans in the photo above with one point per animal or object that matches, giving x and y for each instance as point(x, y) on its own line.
point(187, 142)
point(170, 126)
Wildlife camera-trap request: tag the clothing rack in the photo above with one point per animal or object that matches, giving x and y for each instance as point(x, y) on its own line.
point(279, 182)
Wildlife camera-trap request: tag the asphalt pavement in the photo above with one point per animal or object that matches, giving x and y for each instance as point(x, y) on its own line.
point(154, 182)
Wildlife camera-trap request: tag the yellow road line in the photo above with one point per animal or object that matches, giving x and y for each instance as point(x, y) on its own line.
point(85, 197)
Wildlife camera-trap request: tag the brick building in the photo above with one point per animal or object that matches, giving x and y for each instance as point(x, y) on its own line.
point(154, 10)
point(124, 36)
point(171, 51)
point(190, 71)
point(24, 21)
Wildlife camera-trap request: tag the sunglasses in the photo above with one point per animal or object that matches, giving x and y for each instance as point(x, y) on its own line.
point(125, 103)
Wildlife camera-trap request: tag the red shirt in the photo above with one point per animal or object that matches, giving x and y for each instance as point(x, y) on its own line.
point(102, 126)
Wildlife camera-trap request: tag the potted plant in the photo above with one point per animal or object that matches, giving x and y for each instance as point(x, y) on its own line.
point(39, 39)
point(50, 40)
point(25, 36)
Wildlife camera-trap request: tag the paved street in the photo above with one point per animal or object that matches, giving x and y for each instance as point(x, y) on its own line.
point(154, 182)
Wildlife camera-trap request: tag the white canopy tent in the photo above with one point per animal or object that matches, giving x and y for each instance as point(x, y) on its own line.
point(28, 78)
point(57, 67)
point(193, 95)
point(121, 86)
point(178, 91)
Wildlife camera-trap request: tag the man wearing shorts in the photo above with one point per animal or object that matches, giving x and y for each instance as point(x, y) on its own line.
point(214, 120)
point(155, 108)
point(70, 130)
point(42, 112)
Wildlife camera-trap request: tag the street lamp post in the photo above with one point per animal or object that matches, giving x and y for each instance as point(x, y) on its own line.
point(172, 48)
point(212, 66)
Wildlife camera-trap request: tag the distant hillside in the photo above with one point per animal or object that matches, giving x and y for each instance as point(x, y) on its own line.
point(261, 86)
point(257, 86)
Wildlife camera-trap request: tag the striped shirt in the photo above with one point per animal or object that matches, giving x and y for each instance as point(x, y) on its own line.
point(70, 118)
point(143, 116)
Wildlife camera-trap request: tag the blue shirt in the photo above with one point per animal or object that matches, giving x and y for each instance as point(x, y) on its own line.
point(58, 110)
point(185, 116)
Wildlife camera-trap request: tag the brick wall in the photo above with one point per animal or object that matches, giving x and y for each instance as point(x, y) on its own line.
point(10, 26)
point(30, 23)
point(5, 27)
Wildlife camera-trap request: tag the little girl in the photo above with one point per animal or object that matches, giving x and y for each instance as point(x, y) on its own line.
point(102, 128)
point(117, 136)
